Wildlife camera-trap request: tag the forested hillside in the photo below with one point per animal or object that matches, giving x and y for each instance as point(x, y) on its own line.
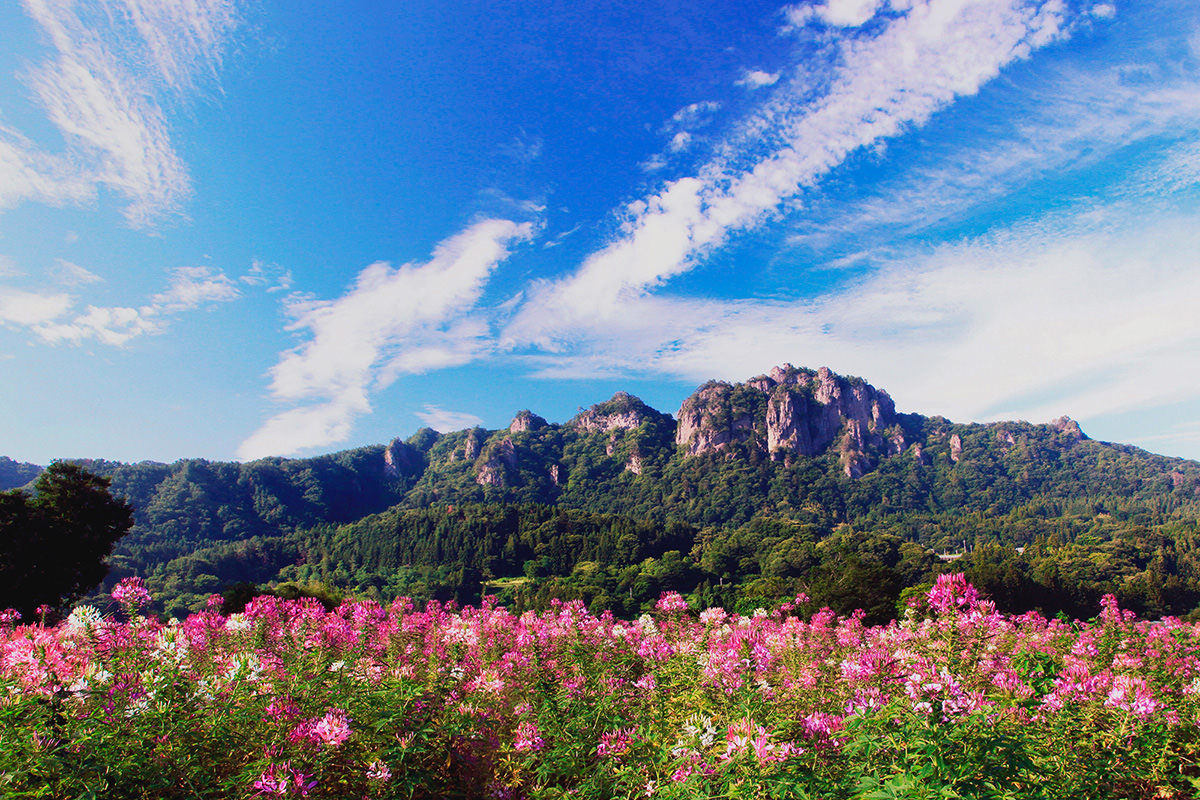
point(793, 481)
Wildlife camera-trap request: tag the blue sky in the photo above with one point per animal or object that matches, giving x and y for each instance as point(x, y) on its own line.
point(236, 229)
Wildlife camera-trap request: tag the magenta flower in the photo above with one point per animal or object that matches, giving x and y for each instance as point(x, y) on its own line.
point(952, 592)
point(614, 744)
point(671, 602)
point(333, 728)
point(131, 593)
point(280, 780)
point(528, 738)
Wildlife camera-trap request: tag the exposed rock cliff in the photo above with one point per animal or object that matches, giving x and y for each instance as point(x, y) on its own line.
point(526, 421)
point(622, 412)
point(497, 464)
point(401, 459)
point(794, 412)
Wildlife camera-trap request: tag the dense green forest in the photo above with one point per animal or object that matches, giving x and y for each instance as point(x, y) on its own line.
point(623, 502)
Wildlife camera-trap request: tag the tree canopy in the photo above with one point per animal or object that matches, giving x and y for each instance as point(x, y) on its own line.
point(54, 544)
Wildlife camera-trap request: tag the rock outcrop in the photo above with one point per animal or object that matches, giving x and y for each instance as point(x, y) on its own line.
point(1070, 427)
point(716, 415)
point(526, 421)
point(622, 412)
point(794, 412)
point(401, 459)
point(496, 465)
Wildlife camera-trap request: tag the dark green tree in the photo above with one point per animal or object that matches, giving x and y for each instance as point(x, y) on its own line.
point(54, 545)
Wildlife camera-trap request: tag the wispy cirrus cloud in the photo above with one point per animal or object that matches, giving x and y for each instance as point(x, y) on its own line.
point(115, 65)
point(69, 273)
point(925, 56)
point(441, 419)
point(757, 78)
point(392, 321)
point(54, 319)
point(1034, 321)
point(192, 287)
point(272, 276)
point(1077, 122)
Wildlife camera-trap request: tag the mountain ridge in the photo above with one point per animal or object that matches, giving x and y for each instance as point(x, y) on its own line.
point(806, 452)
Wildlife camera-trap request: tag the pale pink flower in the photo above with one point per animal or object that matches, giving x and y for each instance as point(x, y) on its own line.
point(333, 728)
point(671, 602)
point(1132, 694)
point(378, 772)
point(527, 738)
point(280, 780)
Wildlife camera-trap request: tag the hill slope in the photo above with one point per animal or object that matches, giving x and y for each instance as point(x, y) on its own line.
point(826, 457)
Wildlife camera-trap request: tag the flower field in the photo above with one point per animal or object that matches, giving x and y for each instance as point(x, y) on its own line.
point(289, 700)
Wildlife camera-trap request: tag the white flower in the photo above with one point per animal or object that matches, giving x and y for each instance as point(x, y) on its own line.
point(83, 618)
point(237, 622)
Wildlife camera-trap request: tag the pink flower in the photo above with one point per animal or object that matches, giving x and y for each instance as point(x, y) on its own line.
point(131, 593)
point(333, 728)
point(1132, 694)
point(280, 780)
point(952, 592)
point(527, 738)
point(671, 602)
point(378, 772)
point(614, 744)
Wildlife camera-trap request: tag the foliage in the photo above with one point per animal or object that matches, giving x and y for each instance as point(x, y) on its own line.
point(289, 699)
point(1042, 518)
point(15, 474)
point(53, 545)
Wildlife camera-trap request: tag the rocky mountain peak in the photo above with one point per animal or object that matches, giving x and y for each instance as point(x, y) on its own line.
point(794, 412)
point(526, 421)
point(1070, 427)
point(622, 412)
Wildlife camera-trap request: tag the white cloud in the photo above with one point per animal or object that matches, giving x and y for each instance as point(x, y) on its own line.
point(443, 421)
point(272, 276)
point(114, 62)
point(183, 39)
point(1099, 321)
point(192, 287)
point(315, 425)
point(838, 13)
point(392, 321)
point(848, 13)
point(757, 78)
point(23, 308)
point(26, 173)
point(71, 274)
point(679, 142)
point(923, 60)
point(695, 113)
point(113, 326)
point(1079, 122)
point(48, 315)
